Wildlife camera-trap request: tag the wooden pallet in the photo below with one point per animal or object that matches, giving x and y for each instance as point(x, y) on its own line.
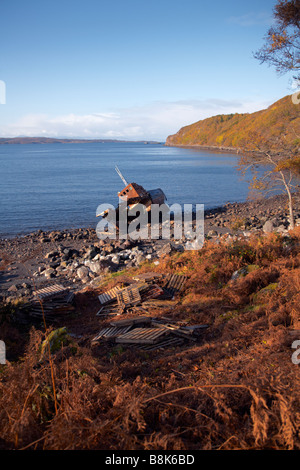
point(50, 291)
point(111, 332)
point(109, 309)
point(142, 336)
point(174, 283)
point(52, 304)
point(109, 296)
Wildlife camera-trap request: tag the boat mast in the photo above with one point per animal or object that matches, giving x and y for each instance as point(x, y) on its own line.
point(121, 176)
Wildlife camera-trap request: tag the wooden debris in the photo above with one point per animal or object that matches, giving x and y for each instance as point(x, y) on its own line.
point(127, 297)
point(142, 336)
point(109, 296)
point(50, 291)
point(175, 329)
point(144, 330)
point(148, 277)
point(111, 332)
point(174, 283)
point(52, 307)
point(107, 310)
point(152, 293)
point(132, 321)
point(167, 343)
point(196, 329)
point(158, 303)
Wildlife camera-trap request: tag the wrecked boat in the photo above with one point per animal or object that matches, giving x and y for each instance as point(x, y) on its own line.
point(132, 195)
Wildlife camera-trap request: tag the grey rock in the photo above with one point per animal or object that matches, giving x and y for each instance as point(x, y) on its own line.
point(91, 253)
point(52, 254)
point(82, 272)
point(178, 247)
point(25, 285)
point(268, 226)
point(139, 258)
point(13, 288)
point(49, 273)
point(166, 249)
point(45, 240)
point(281, 229)
point(95, 267)
point(115, 259)
point(212, 233)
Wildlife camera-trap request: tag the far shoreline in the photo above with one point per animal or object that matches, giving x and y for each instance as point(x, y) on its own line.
point(212, 148)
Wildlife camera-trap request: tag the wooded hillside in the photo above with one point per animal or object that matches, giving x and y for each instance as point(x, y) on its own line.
point(279, 123)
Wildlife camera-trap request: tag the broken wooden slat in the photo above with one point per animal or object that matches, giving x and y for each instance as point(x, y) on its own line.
point(142, 336)
point(195, 328)
point(148, 277)
point(70, 297)
point(170, 342)
point(152, 293)
point(131, 321)
point(157, 303)
point(175, 329)
point(110, 309)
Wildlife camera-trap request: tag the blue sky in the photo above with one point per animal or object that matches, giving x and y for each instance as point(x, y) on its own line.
point(131, 69)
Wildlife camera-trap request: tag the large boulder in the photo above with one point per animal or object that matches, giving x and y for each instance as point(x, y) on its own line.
point(82, 272)
point(268, 226)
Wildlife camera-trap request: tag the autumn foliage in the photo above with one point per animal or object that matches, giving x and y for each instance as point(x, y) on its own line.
point(236, 387)
point(279, 124)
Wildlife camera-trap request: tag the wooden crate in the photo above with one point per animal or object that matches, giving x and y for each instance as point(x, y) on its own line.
point(128, 296)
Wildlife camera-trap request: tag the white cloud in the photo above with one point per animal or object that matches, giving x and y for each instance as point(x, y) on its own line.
point(252, 19)
point(153, 121)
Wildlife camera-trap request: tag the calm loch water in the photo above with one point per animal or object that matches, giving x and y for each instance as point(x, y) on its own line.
point(57, 186)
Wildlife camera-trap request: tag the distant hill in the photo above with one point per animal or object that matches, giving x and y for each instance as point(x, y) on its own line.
point(279, 123)
point(49, 140)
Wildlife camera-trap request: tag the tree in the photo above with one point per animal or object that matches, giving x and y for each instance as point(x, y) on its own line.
point(282, 42)
point(271, 171)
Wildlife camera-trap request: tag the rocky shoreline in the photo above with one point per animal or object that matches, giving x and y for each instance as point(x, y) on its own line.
point(78, 258)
